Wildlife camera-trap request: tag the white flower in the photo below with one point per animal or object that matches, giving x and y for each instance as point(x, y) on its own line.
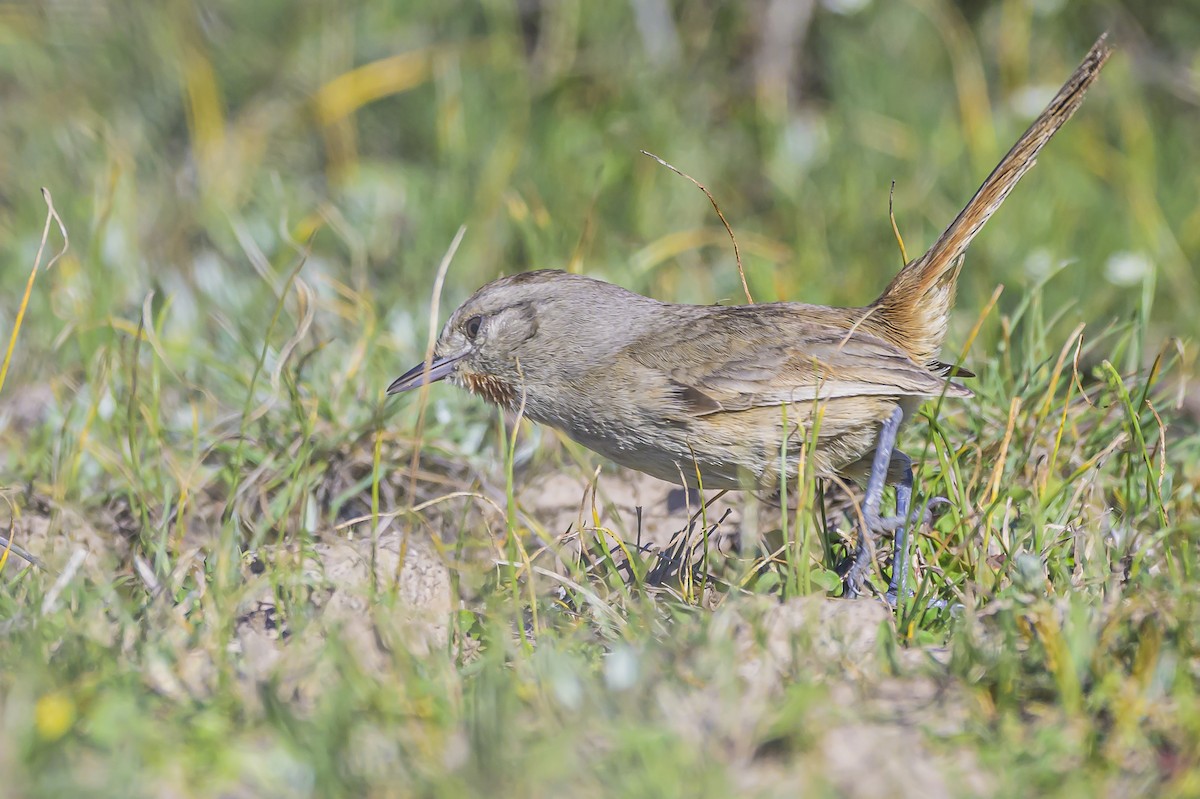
point(846, 6)
point(1127, 268)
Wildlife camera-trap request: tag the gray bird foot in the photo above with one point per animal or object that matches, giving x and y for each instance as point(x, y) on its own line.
point(933, 604)
point(892, 524)
point(876, 526)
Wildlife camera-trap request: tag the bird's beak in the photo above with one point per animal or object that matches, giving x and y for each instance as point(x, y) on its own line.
point(424, 373)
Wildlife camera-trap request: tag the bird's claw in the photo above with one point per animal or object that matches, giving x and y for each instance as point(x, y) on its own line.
point(955, 608)
point(891, 524)
point(875, 525)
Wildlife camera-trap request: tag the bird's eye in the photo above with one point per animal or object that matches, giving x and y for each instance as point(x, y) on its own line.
point(471, 327)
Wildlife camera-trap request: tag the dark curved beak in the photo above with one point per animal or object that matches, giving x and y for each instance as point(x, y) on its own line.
point(423, 374)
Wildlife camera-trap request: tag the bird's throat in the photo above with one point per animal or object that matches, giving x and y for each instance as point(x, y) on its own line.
point(491, 388)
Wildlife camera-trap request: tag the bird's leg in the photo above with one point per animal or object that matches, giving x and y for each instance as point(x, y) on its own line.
point(884, 447)
point(857, 574)
point(874, 524)
point(904, 491)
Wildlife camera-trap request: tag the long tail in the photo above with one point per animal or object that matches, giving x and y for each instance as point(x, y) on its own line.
point(915, 308)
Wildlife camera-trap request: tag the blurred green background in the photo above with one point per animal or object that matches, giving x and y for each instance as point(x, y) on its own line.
point(193, 148)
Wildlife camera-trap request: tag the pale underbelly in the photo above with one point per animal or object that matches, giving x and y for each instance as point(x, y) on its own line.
point(745, 449)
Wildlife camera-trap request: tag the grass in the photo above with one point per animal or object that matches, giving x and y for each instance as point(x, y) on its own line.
point(264, 579)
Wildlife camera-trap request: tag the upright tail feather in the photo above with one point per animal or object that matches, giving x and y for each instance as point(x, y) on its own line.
point(915, 308)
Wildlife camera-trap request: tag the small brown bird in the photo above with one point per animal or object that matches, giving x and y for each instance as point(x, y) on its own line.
point(705, 395)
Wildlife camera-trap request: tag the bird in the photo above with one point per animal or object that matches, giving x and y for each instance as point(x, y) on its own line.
point(711, 396)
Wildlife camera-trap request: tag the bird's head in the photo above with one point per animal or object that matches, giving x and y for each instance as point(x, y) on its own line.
point(516, 330)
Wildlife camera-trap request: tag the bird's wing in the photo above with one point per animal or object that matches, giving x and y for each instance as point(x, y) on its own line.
point(747, 364)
